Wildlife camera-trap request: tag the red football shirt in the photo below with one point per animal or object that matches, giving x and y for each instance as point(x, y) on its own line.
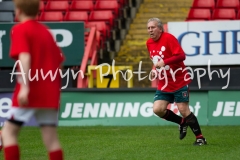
point(35, 39)
point(165, 47)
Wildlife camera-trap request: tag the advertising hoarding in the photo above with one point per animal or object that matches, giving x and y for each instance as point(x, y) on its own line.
point(216, 42)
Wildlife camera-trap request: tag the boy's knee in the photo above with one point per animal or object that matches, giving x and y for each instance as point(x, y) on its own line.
point(10, 128)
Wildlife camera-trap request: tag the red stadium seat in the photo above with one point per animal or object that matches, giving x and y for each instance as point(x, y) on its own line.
point(221, 14)
point(123, 2)
point(42, 5)
point(107, 5)
point(206, 4)
point(228, 4)
point(51, 16)
point(238, 15)
point(101, 27)
point(165, 27)
point(82, 5)
point(106, 16)
point(76, 16)
point(57, 6)
point(194, 20)
point(83, 0)
point(199, 14)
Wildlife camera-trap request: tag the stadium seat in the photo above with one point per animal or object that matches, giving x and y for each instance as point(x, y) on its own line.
point(223, 14)
point(98, 37)
point(238, 15)
point(6, 17)
point(204, 4)
point(83, 0)
point(199, 14)
point(6, 6)
point(58, 0)
point(123, 2)
point(119, 1)
point(57, 6)
point(81, 5)
point(106, 16)
point(165, 27)
point(228, 4)
point(76, 16)
point(42, 6)
point(100, 26)
point(51, 16)
point(107, 5)
point(194, 20)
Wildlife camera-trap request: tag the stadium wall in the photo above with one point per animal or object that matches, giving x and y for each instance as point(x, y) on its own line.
point(133, 107)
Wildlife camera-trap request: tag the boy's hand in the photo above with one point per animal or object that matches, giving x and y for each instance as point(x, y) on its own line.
point(23, 96)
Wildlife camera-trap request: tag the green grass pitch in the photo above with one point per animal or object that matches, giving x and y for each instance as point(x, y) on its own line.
point(134, 143)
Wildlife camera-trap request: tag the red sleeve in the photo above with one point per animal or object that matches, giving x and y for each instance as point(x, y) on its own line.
point(178, 54)
point(175, 59)
point(174, 46)
point(19, 42)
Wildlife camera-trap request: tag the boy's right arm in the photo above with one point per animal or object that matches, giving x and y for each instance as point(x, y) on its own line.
point(25, 61)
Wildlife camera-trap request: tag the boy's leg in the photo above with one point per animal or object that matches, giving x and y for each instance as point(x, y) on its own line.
point(16, 118)
point(50, 139)
point(1, 143)
point(10, 133)
point(48, 119)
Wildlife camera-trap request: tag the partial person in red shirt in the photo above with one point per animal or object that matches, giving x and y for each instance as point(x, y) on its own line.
point(1, 145)
point(168, 56)
point(36, 53)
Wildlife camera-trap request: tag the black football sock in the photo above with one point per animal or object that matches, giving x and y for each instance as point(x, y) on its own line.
point(192, 121)
point(171, 116)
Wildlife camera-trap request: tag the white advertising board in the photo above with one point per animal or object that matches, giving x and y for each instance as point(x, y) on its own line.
point(217, 42)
